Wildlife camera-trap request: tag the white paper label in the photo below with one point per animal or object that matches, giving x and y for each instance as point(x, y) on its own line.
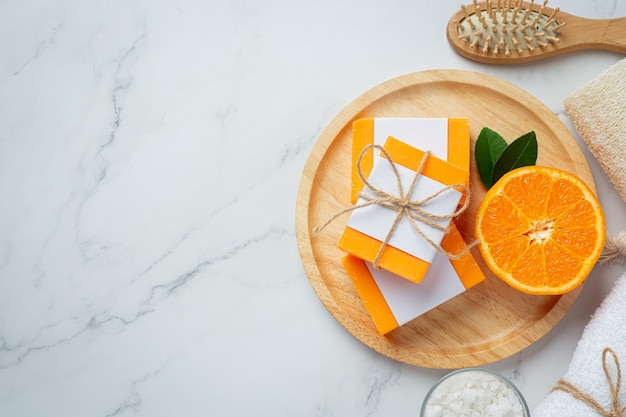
point(376, 221)
point(426, 134)
point(408, 300)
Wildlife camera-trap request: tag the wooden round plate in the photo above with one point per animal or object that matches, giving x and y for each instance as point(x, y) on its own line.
point(490, 321)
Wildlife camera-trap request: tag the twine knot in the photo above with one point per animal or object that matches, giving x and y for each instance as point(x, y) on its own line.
point(614, 249)
point(614, 386)
point(402, 204)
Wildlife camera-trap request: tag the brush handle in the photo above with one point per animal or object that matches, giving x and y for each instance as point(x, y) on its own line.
point(581, 33)
point(578, 34)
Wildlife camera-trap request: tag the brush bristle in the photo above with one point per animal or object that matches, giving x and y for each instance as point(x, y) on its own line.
point(508, 26)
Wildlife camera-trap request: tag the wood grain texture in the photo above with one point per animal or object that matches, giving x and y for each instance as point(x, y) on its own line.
point(490, 321)
point(578, 34)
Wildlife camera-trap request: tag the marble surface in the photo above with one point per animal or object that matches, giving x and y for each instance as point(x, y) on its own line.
point(150, 155)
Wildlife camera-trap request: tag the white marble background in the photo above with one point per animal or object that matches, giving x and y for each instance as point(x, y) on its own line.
point(150, 154)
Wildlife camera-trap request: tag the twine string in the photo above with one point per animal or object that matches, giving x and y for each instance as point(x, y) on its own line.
point(404, 206)
point(614, 386)
point(614, 249)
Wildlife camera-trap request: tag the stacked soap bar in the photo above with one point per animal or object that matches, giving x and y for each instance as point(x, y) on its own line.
point(412, 277)
point(393, 301)
point(407, 253)
point(447, 139)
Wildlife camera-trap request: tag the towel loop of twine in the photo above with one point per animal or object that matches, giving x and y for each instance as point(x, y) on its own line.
point(404, 206)
point(615, 411)
point(614, 249)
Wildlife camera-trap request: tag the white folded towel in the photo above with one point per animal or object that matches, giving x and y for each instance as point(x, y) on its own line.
point(607, 328)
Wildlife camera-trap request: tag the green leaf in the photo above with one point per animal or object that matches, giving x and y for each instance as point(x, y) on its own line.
point(520, 153)
point(489, 147)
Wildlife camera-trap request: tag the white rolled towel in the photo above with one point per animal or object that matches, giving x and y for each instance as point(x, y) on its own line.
point(606, 329)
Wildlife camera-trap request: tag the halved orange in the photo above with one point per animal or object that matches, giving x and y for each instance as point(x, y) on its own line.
point(540, 229)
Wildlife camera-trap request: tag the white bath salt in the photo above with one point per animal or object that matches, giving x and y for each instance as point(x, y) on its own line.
point(473, 394)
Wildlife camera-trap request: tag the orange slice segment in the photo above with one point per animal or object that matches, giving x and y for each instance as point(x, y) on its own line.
point(541, 230)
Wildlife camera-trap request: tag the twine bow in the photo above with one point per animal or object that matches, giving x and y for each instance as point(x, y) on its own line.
point(614, 249)
point(403, 205)
point(579, 394)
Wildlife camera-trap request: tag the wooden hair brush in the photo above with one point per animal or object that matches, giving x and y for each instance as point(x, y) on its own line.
point(515, 31)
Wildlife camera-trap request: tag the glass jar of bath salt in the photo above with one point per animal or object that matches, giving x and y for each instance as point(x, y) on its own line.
point(474, 392)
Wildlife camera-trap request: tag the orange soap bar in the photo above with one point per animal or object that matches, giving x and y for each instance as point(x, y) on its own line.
point(407, 254)
point(447, 139)
point(392, 301)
